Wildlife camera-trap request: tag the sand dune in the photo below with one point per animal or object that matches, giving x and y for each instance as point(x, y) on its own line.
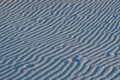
point(59, 40)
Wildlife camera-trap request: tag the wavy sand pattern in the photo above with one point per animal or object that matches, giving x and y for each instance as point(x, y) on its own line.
point(59, 39)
